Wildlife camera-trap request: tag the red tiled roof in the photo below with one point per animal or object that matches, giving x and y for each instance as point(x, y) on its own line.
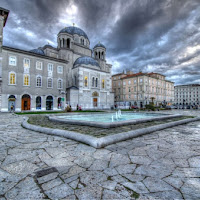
point(133, 75)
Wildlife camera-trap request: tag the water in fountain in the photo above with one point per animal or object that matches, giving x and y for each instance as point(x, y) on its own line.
point(116, 116)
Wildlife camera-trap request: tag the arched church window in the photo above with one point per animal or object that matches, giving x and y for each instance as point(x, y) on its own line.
point(75, 80)
point(99, 55)
point(63, 40)
point(93, 82)
point(96, 82)
point(102, 55)
point(68, 43)
point(86, 81)
point(103, 83)
point(95, 54)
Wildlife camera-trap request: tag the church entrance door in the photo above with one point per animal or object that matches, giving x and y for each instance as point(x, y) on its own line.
point(95, 102)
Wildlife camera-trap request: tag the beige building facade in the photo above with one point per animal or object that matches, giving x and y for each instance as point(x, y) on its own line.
point(140, 89)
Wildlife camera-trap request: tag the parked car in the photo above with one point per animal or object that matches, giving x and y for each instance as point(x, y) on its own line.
point(174, 107)
point(134, 107)
point(168, 107)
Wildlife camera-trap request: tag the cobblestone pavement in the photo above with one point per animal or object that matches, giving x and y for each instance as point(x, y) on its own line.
point(161, 165)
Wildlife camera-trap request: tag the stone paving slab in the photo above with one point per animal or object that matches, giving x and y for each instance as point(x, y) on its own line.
point(162, 165)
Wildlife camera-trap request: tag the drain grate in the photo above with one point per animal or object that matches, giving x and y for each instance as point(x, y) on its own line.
point(45, 172)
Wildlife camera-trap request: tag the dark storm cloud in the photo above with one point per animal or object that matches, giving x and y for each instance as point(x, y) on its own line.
point(147, 35)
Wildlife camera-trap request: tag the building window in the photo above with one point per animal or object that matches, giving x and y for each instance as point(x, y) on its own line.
point(103, 83)
point(86, 81)
point(38, 81)
point(141, 80)
point(60, 84)
point(26, 79)
point(50, 67)
point(60, 69)
point(26, 63)
point(12, 78)
point(96, 82)
point(129, 82)
point(93, 82)
point(50, 83)
point(39, 65)
point(74, 80)
point(135, 81)
point(124, 83)
point(12, 60)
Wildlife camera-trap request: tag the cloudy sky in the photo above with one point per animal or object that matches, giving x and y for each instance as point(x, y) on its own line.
point(140, 35)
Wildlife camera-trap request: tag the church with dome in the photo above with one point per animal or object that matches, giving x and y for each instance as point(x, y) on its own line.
point(50, 78)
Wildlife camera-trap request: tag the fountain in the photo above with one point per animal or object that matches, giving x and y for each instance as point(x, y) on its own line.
point(116, 116)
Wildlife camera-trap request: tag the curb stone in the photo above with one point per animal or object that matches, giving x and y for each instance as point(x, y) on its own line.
point(107, 140)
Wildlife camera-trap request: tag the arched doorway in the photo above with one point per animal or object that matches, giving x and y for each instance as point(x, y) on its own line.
point(49, 103)
point(59, 103)
point(38, 103)
point(26, 102)
point(11, 103)
point(95, 99)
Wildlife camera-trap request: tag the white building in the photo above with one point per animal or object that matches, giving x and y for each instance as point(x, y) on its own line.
point(49, 77)
point(187, 95)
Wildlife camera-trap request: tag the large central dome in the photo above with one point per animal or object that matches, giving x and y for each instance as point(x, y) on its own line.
point(74, 30)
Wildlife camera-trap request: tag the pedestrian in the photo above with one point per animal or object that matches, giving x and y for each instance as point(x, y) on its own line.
point(12, 107)
point(77, 107)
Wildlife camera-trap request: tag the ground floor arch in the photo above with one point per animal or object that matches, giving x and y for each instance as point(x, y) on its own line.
point(49, 103)
point(11, 103)
point(38, 103)
point(25, 102)
point(95, 96)
point(59, 103)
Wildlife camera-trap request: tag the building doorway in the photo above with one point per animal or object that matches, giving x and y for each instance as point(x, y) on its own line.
point(59, 103)
point(95, 102)
point(11, 103)
point(49, 103)
point(26, 102)
point(141, 104)
point(38, 103)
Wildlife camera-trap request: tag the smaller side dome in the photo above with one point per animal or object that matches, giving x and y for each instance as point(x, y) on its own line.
point(99, 45)
point(38, 51)
point(86, 61)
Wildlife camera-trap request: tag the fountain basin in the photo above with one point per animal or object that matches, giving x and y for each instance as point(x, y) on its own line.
point(110, 120)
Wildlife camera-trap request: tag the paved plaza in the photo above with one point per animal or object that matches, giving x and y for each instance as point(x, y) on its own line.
point(161, 165)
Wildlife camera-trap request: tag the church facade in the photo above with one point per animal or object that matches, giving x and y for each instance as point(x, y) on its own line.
point(49, 78)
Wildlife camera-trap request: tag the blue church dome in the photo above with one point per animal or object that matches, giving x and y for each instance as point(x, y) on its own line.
point(38, 51)
point(86, 61)
point(99, 45)
point(74, 30)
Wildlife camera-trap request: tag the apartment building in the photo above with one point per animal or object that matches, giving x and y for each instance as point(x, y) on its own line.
point(187, 95)
point(142, 88)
